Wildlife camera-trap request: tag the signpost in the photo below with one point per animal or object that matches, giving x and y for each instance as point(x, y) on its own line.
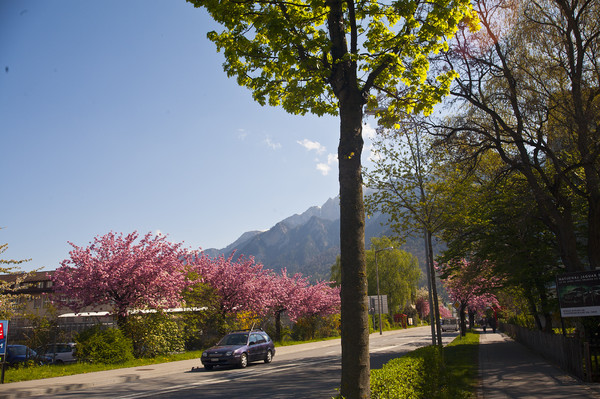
point(3, 339)
point(579, 293)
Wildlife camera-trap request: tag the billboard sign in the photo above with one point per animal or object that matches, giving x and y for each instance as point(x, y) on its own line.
point(3, 338)
point(374, 304)
point(579, 293)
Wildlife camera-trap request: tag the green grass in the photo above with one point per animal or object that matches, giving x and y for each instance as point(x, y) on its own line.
point(461, 361)
point(430, 372)
point(49, 371)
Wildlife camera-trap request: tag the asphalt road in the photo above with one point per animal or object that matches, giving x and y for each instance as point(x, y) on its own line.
point(303, 371)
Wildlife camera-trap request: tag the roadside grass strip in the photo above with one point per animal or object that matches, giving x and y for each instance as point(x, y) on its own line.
point(430, 372)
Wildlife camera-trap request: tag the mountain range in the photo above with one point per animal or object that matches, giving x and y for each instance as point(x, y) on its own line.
point(306, 243)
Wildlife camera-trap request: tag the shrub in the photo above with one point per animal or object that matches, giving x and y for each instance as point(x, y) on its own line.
point(155, 334)
point(413, 376)
point(108, 346)
point(313, 327)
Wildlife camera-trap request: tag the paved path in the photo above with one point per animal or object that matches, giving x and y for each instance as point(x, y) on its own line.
point(510, 370)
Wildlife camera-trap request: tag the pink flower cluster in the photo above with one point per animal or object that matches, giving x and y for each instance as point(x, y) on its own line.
point(243, 285)
point(471, 284)
point(118, 271)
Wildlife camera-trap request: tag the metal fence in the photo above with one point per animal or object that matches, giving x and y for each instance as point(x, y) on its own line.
point(581, 359)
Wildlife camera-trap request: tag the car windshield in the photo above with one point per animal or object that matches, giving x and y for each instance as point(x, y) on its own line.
point(234, 339)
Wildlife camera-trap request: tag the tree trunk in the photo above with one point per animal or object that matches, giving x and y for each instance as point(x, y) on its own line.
point(594, 231)
point(463, 323)
point(532, 307)
point(278, 326)
point(354, 304)
point(429, 288)
point(436, 305)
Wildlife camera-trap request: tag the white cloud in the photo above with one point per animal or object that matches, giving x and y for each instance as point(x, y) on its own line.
point(271, 144)
point(312, 146)
point(325, 168)
point(369, 131)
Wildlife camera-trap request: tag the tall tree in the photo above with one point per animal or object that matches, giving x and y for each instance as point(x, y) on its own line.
point(331, 57)
point(531, 79)
point(497, 219)
point(119, 271)
point(397, 270)
point(410, 186)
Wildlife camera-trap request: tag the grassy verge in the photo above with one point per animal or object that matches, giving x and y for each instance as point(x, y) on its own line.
point(49, 371)
point(39, 372)
point(431, 372)
point(462, 366)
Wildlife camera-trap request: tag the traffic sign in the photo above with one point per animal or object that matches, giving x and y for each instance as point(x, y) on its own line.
point(3, 337)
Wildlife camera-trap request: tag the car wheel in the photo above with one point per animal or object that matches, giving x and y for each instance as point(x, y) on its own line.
point(59, 362)
point(208, 367)
point(243, 360)
point(269, 357)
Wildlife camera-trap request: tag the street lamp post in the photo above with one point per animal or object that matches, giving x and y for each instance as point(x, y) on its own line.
point(379, 303)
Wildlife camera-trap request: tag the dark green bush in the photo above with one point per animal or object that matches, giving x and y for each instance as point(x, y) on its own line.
point(108, 346)
point(416, 375)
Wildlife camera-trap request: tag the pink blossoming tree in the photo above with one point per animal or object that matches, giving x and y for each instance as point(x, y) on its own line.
point(241, 285)
point(124, 273)
point(297, 298)
point(471, 285)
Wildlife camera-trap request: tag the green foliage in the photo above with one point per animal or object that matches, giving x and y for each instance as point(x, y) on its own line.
point(374, 322)
point(399, 273)
point(430, 372)
point(313, 327)
point(108, 346)
point(413, 376)
point(44, 330)
point(155, 334)
point(287, 53)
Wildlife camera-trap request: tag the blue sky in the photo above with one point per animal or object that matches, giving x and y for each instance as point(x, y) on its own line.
point(117, 116)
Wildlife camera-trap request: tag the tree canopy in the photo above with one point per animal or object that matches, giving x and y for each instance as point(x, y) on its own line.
point(120, 271)
point(333, 57)
point(530, 89)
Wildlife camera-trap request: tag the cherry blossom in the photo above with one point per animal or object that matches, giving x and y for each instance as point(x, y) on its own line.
point(116, 270)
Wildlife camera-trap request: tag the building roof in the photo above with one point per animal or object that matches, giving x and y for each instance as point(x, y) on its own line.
point(32, 277)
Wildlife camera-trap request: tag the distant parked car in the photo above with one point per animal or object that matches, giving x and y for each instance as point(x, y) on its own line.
point(59, 353)
point(240, 348)
point(450, 324)
point(16, 354)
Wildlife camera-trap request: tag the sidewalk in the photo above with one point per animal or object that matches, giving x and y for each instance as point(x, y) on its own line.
point(510, 370)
